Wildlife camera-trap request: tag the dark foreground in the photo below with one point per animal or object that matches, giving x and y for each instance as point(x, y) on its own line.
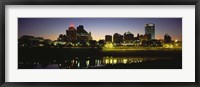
point(92, 58)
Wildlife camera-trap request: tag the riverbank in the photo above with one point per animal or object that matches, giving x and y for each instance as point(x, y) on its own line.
point(59, 52)
point(93, 58)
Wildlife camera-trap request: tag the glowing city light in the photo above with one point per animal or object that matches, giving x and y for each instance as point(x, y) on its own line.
point(107, 61)
point(71, 25)
point(115, 50)
point(108, 45)
point(87, 63)
point(111, 61)
point(115, 61)
point(176, 41)
point(168, 46)
point(125, 61)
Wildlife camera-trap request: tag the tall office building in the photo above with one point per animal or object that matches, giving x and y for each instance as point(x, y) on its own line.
point(82, 34)
point(128, 37)
point(118, 38)
point(108, 38)
point(71, 33)
point(150, 29)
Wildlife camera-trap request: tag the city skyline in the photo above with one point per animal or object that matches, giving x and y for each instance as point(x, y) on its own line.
point(51, 28)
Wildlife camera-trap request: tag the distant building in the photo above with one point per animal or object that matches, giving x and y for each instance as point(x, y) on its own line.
point(40, 39)
point(145, 37)
point(27, 37)
point(82, 34)
point(137, 37)
point(101, 42)
point(27, 41)
point(152, 43)
point(167, 38)
point(90, 36)
point(71, 33)
point(150, 29)
point(108, 38)
point(128, 37)
point(118, 38)
point(63, 38)
point(31, 41)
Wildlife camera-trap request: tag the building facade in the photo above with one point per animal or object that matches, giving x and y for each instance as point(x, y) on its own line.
point(145, 37)
point(150, 29)
point(167, 38)
point(71, 33)
point(82, 34)
point(128, 37)
point(108, 38)
point(118, 38)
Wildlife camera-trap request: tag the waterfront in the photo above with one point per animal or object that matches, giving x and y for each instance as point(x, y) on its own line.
point(93, 58)
point(100, 43)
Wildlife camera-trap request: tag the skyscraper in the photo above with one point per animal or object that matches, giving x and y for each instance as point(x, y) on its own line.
point(71, 33)
point(108, 38)
point(82, 34)
point(150, 29)
point(128, 37)
point(118, 38)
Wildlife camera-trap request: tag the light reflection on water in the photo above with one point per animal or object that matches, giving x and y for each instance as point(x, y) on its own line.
point(86, 62)
point(111, 60)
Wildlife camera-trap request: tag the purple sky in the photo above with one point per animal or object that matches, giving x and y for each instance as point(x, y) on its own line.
point(50, 28)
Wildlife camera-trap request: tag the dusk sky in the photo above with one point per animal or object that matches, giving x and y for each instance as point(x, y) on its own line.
point(51, 28)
